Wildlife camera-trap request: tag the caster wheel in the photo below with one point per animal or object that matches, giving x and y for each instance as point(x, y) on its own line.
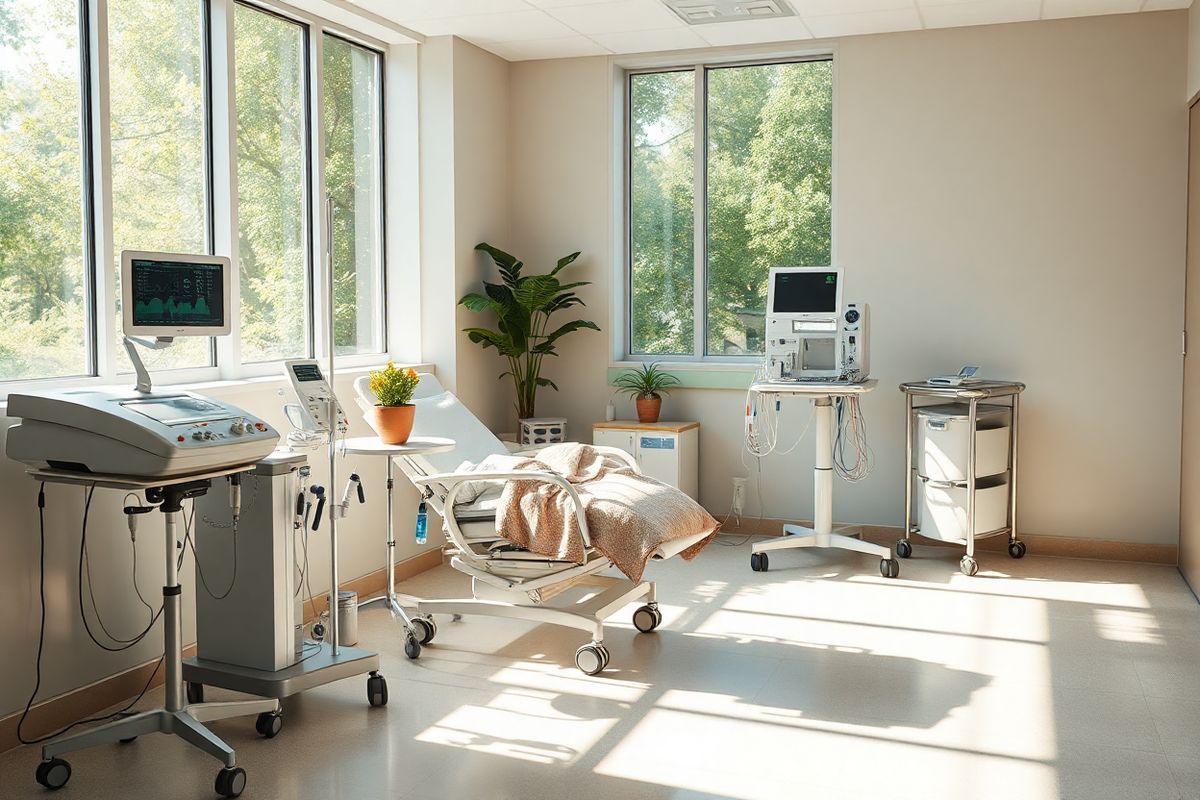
point(758, 562)
point(130, 740)
point(195, 692)
point(904, 548)
point(647, 618)
point(53, 774)
point(1016, 549)
point(591, 658)
point(231, 782)
point(412, 647)
point(318, 632)
point(377, 694)
point(425, 629)
point(889, 567)
point(968, 565)
point(269, 724)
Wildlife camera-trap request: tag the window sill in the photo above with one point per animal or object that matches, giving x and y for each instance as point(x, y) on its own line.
point(697, 374)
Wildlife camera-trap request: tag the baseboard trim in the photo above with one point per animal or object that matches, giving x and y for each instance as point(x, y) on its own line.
point(1038, 544)
point(57, 712)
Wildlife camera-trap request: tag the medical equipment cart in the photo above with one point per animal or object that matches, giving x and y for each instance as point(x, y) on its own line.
point(964, 482)
point(420, 630)
point(821, 533)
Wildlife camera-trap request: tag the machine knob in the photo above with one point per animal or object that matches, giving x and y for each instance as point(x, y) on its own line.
point(238, 427)
point(852, 316)
point(209, 435)
point(198, 435)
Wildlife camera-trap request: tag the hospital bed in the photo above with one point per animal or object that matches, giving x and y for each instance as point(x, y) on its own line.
point(507, 581)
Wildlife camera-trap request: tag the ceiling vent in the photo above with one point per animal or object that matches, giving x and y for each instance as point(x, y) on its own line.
point(702, 12)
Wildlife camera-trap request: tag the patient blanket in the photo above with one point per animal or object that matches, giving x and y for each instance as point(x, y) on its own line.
point(629, 516)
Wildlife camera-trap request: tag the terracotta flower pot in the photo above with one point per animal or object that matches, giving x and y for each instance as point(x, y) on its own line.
point(648, 408)
point(394, 423)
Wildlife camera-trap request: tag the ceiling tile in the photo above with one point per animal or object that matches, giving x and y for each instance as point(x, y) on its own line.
point(826, 27)
point(823, 8)
point(510, 27)
point(408, 10)
point(978, 12)
point(628, 15)
point(681, 38)
point(568, 47)
point(753, 31)
point(1165, 5)
point(1052, 9)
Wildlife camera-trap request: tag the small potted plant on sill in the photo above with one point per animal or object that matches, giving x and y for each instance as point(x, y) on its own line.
point(394, 412)
point(646, 385)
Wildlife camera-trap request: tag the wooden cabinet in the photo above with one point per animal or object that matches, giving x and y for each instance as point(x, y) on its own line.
point(667, 451)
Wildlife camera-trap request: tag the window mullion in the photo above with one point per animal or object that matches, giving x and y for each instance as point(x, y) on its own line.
point(102, 316)
point(320, 225)
point(699, 215)
point(223, 147)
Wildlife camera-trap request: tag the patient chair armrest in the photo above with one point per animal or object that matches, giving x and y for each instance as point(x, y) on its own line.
point(618, 454)
point(453, 482)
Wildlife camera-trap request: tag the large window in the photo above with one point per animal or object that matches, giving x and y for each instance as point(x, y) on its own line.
point(703, 237)
point(147, 132)
point(354, 180)
point(44, 263)
point(272, 176)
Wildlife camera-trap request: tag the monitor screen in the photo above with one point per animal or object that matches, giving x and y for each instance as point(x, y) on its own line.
point(806, 292)
point(177, 293)
point(307, 372)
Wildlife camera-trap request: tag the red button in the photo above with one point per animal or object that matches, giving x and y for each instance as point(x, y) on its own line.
point(180, 438)
point(260, 426)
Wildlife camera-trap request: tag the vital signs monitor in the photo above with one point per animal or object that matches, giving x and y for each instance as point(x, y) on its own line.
point(174, 294)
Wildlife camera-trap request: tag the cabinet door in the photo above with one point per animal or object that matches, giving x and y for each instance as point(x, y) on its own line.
point(658, 456)
point(612, 437)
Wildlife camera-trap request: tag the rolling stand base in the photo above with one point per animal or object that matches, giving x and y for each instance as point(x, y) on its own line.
point(316, 669)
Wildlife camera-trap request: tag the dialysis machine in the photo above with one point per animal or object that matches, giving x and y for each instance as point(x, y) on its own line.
point(811, 335)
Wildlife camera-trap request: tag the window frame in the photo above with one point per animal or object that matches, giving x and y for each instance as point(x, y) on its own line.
point(100, 337)
point(622, 318)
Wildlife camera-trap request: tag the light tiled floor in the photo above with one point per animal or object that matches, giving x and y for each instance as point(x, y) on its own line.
point(1043, 678)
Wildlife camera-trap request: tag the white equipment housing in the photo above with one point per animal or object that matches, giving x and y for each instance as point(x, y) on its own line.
point(803, 335)
point(315, 395)
point(856, 342)
point(115, 432)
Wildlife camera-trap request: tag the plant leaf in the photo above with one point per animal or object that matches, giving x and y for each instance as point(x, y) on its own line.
point(547, 382)
point(475, 302)
point(564, 261)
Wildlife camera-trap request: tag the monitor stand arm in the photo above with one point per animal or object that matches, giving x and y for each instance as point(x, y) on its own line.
point(143, 374)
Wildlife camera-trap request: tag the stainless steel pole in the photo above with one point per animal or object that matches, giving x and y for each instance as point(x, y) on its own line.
point(332, 416)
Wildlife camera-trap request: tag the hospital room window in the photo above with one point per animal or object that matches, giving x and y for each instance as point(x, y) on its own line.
point(159, 148)
point(760, 198)
point(353, 106)
point(271, 64)
point(45, 298)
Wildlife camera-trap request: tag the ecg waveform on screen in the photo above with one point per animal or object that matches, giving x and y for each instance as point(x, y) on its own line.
point(176, 293)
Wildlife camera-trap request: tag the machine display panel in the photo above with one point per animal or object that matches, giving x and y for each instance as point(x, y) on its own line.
point(176, 293)
point(805, 292)
point(307, 372)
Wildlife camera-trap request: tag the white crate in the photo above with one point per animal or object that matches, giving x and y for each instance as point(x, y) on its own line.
point(942, 509)
point(943, 437)
point(543, 430)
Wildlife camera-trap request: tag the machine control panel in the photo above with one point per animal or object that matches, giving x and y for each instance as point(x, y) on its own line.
point(855, 332)
point(314, 393)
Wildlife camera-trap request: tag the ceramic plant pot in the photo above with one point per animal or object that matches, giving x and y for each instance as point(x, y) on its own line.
point(648, 408)
point(394, 423)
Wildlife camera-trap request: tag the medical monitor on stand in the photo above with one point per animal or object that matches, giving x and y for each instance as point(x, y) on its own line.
point(164, 295)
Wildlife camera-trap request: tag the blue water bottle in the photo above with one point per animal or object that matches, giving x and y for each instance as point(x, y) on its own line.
point(421, 522)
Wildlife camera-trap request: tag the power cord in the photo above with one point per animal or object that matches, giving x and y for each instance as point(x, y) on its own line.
point(189, 520)
point(37, 685)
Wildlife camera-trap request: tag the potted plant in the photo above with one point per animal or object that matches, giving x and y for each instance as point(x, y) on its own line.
point(394, 412)
point(523, 305)
point(646, 385)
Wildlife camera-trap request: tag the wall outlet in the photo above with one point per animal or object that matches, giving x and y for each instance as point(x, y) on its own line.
point(739, 495)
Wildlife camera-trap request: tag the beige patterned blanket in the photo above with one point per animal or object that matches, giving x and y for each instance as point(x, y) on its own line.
point(629, 516)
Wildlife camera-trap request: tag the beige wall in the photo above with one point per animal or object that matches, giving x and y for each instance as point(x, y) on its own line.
point(1193, 62)
point(1011, 196)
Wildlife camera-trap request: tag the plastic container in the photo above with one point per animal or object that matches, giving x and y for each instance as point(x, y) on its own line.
point(942, 508)
point(543, 430)
point(943, 439)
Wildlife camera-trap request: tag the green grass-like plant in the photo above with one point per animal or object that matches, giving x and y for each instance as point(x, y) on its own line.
point(647, 380)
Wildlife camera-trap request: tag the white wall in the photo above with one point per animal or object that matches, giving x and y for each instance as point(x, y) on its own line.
point(1193, 61)
point(70, 659)
point(1011, 196)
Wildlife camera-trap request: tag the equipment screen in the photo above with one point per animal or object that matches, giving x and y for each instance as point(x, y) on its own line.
point(805, 293)
point(177, 293)
point(177, 409)
point(307, 372)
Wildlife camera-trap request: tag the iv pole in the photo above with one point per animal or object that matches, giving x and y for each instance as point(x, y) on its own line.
point(332, 416)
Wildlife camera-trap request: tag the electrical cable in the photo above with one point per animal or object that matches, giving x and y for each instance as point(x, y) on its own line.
point(851, 431)
point(37, 685)
point(189, 541)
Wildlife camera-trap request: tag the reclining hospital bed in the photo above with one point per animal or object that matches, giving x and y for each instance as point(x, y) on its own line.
point(506, 580)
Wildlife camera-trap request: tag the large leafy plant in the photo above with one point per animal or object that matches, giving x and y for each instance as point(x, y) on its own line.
point(523, 305)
